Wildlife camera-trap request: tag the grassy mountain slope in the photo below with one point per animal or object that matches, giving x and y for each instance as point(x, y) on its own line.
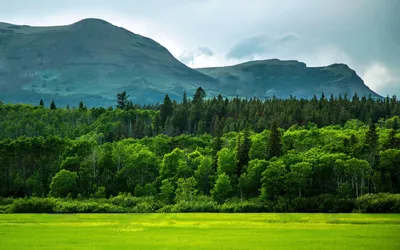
point(91, 60)
point(278, 78)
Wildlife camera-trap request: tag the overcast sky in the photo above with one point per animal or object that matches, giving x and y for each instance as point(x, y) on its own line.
point(365, 34)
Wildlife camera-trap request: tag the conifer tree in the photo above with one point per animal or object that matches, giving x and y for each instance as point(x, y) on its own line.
point(243, 152)
point(52, 105)
point(275, 143)
point(165, 110)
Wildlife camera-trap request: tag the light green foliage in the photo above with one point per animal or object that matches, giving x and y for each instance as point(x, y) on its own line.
point(222, 188)
point(226, 162)
point(186, 190)
point(63, 183)
point(170, 163)
point(273, 179)
point(250, 181)
point(259, 144)
point(167, 191)
point(299, 177)
point(204, 174)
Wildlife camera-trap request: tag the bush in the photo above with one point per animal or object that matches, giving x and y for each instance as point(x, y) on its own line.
point(4, 209)
point(244, 206)
point(322, 204)
point(143, 207)
point(378, 203)
point(88, 206)
point(33, 205)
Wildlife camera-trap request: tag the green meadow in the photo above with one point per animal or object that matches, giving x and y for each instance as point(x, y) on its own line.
point(200, 231)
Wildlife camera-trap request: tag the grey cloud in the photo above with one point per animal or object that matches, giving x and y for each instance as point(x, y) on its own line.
point(206, 51)
point(366, 31)
point(188, 57)
point(259, 44)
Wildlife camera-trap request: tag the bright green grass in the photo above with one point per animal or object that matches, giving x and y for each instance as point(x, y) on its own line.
point(199, 231)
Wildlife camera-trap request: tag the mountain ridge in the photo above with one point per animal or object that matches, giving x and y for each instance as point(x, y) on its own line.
point(92, 60)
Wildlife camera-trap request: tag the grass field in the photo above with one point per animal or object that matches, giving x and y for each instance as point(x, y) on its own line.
point(199, 231)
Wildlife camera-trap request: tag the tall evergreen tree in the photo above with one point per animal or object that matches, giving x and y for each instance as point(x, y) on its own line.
point(275, 143)
point(81, 105)
point(122, 100)
point(41, 104)
point(52, 105)
point(243, 152)
point(165, 110)
point(217, 142)
point(371, 137)
point(197, 109)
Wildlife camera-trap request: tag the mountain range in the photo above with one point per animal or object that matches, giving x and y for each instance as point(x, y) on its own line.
point(93, 60)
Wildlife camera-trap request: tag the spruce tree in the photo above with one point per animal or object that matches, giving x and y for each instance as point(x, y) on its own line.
point(165, 110)
point(275, 143)
point(52, 105)
point(122, 99)
point(243, 151)
point(217, 142)
point(371, 137)
point(81, 105)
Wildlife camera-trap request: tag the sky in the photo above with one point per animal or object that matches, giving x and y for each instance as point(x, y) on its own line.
point(364, 34)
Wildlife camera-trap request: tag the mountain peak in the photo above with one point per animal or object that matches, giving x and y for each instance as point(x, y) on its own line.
point(92, 21)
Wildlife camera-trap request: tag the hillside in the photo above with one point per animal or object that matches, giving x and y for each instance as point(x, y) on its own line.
point(93, 60)
point(90, 60)
point(268, 78)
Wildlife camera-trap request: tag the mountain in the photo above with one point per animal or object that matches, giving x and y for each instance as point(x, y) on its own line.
point(93, 60)
point(90, 60)
point(268, 78)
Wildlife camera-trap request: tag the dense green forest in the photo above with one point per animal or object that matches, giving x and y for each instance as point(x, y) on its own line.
point(324, 154)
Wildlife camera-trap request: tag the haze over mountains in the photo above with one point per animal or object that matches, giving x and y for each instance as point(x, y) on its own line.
point(92, 61)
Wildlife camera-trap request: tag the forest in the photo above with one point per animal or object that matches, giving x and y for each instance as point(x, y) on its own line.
point(202, 154)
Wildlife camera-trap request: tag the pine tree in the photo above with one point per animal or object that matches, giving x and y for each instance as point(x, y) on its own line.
point(197, 109)
point(275, 143)
point(243, 152)
point(52, 105)
point(371, 137)
point(122, 99)
point(81, 105)
point(217, 142)
point(165, 110)
point(41, 104)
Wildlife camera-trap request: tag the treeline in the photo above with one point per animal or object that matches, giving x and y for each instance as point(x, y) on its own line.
point(196, 116)
point(126, 203)
point(296, 169)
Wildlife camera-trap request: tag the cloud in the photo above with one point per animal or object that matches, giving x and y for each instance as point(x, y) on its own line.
point(191, 58)
point(380, 79)
point(313, 31)
point(259, 44)
point(206, 51)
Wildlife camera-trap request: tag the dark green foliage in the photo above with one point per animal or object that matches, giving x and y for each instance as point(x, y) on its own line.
point(243, 149)
point(63, 183)
point(320, 163)
point(274, 144)
point(378, 203)
point(122, 100)
point(165, 110)
point(52, 105)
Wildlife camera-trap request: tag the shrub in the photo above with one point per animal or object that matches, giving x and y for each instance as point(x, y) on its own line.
point(33, 205)
point(378, 203)
point(63, 183)
point(244, 206)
